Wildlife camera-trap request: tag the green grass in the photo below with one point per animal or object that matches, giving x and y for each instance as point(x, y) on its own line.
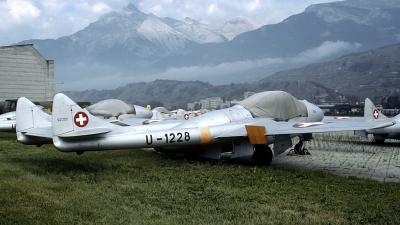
point(45, 186)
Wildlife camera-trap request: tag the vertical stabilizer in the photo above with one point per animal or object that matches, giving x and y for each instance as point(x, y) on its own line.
point(70, 120)
point(29, 116)
point(371, 113)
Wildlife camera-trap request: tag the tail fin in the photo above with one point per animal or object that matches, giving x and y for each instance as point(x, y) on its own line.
point(371, 113)
point(157, 115)
point(33, 125)
point(182, 115)
point(70, 120)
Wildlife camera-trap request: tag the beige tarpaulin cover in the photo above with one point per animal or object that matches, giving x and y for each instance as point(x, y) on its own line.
point(110, 108)
point(278, 105)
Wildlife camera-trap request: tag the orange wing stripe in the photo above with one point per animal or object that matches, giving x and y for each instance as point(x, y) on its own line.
point(256, 134)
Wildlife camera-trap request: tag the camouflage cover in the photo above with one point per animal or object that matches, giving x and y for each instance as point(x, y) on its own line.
point(278, 105)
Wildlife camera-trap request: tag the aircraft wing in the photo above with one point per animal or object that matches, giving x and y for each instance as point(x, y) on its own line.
point(279, 128)
point(342, 118)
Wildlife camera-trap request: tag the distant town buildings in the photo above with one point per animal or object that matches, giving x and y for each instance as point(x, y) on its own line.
point(209, 103)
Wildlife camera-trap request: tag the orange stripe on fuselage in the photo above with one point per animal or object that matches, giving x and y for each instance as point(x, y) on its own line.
point(205, 135)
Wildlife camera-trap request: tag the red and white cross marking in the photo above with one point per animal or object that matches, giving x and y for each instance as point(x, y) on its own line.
point(186, 116)
point(341, 117)
point(305, 125)
point(81, 119)
point(376, 114)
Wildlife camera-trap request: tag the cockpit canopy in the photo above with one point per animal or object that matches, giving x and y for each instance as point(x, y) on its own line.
point(279, 105)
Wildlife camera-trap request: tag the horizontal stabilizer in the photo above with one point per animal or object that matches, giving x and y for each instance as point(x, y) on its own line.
point(119, 123)
point(384, 125)
point(44, 132)
point(86, 132)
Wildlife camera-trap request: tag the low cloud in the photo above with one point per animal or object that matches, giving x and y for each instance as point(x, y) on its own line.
point(325, 51)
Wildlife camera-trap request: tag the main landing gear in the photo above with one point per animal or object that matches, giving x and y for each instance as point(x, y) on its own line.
point(79, 152)
point(299, 149)
point(262, 155)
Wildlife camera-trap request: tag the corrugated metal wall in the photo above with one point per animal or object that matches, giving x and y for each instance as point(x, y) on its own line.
point(25, 73)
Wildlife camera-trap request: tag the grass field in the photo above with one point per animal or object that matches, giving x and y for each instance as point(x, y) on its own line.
point(45, 186)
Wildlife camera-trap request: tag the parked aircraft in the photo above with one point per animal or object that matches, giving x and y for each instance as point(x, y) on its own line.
point(389, 129)
point(7, 121)
point(34, 125)
point(245, 129)
point(111, 108)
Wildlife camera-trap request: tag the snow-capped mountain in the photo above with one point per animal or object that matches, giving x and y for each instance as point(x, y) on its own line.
point(135, 45)
point(236, 26)
point(123, 26)
point(215, 33)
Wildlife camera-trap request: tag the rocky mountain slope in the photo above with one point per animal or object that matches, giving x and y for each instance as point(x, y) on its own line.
point(374, 74)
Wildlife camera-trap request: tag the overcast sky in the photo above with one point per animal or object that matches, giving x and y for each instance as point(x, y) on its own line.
point(42, 19)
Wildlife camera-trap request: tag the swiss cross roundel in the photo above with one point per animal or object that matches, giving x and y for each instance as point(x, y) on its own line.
point(376, 114)
point(186, 116)
point(81, 119)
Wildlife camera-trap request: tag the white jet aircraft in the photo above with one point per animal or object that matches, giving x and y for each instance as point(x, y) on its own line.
point(389, 128)
point(245, 129)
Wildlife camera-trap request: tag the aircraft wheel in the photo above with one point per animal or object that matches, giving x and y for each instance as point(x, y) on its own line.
point(379, 141)
point(79, 152)
point(262, 155)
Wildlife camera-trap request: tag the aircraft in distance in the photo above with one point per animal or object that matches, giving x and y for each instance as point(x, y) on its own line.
point(7, 121)
point(390, 127)
point(111, 108)
point(245, 129)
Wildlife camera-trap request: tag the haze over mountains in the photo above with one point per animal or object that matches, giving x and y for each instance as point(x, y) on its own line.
point(127, 45)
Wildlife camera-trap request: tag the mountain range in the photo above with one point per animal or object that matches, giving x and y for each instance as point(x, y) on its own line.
point(350, 79)
point(127, 45)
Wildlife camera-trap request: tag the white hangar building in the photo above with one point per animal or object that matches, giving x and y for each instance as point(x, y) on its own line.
point(24, 72)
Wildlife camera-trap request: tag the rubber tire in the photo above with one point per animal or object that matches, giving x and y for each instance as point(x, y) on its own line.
point(262, 155)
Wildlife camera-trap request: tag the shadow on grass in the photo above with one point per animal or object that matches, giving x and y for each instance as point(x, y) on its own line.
point(45, 166)
point(224, 160)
